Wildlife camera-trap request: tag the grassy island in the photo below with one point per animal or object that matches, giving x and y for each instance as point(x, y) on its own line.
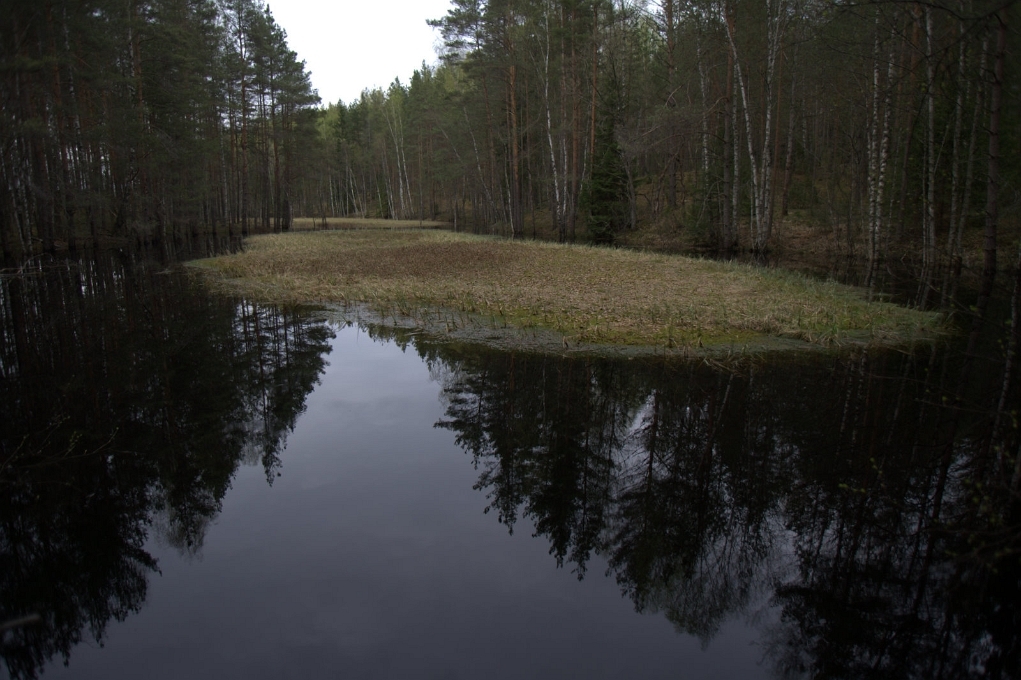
point(588, 295)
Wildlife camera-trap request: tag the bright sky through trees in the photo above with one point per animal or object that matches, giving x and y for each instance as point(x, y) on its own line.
point(350, 45)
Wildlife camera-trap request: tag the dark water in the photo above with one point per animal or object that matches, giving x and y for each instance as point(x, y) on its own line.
point(196, 486)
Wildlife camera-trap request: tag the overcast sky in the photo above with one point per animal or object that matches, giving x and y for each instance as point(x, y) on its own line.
point(350, 45)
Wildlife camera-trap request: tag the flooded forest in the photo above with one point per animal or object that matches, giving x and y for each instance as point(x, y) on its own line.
point(193, 482)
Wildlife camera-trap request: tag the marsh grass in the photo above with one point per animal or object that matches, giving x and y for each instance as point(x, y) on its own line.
point(589, 295)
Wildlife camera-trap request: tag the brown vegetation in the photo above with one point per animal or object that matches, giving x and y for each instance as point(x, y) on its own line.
point(317, 223)
point(590, 295)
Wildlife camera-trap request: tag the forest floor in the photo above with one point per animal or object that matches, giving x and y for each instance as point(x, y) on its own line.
point(584, 296)
point(804, 241)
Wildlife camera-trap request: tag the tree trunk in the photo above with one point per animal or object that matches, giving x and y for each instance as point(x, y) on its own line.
point(993, 175)
point(729, 170)
point(517, 222)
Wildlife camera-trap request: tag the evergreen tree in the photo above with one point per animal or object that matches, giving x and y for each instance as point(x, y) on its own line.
point(606, 194)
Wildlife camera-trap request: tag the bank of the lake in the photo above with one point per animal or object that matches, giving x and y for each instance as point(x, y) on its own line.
point(588, 295)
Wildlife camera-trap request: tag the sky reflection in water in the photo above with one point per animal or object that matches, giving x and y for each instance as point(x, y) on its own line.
point(370, 556)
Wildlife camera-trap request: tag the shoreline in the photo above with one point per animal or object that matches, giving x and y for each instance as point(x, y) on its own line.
point(575, 296)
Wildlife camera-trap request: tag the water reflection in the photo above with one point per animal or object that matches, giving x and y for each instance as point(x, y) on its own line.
point(857, 495)
point(860, 509)
point(129, 400)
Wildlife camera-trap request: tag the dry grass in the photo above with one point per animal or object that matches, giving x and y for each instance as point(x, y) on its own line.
point(591, 295)
point(316, 223)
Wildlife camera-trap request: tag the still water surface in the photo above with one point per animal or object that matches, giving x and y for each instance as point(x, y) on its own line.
point(370, 556)
point(199, 486)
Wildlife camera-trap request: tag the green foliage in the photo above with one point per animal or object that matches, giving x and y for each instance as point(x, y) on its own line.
point(605, 196)
point(144, 119)
point(153, 116)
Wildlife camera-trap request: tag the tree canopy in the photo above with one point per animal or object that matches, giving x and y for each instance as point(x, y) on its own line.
point(894, 126)
point(874, 121)
point(147, 119)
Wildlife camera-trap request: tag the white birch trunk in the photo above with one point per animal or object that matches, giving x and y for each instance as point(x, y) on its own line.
point(879, 151)
point(703, 85)
point(761, 165)
point(557, 215)
point(873, 151)
point(739, 77)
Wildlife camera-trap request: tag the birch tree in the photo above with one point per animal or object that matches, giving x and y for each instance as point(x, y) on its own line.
point(777, 15)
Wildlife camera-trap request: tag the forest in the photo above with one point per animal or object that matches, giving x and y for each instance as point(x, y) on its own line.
point(890, 128)
point(885, 482)
point(147, 121)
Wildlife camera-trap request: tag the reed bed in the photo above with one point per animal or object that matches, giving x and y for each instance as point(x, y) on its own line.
point(587, 294)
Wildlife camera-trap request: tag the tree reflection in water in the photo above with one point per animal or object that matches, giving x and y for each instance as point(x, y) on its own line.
point(129, 400)
point(866, 496)
point(869, 498)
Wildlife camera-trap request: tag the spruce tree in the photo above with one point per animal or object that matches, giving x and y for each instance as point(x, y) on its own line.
point(605, 197)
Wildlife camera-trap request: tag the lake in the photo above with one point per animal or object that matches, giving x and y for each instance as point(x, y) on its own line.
point(198, 485)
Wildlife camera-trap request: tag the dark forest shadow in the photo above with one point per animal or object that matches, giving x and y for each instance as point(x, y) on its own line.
point(130, 399)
